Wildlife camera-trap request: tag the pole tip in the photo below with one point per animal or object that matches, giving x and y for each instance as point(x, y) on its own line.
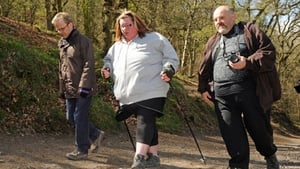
point(203, 160)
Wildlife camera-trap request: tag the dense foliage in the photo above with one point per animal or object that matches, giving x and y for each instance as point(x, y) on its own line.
point(29, 97)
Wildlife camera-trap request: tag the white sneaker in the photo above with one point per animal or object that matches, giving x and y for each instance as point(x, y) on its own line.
point(76, 155)
point(97, 143)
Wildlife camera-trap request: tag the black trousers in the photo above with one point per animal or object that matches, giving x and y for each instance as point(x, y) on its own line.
point(238, 114)
point(146, 113)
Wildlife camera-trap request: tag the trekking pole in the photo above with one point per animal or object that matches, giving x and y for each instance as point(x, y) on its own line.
point(186, 121)
point(130, 137)
point(124, 121)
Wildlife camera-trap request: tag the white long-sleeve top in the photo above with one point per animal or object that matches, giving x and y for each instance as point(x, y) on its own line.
point(135, 67)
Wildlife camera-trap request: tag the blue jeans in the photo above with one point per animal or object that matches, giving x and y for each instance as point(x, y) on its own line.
point(78, 116)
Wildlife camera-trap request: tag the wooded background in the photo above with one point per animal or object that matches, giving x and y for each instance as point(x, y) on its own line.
point(186, 23)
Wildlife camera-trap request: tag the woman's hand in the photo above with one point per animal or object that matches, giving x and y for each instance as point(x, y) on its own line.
point(105, 72)
point(165, 77)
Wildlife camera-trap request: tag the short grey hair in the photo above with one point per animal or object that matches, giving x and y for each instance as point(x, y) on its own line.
point(62, 16)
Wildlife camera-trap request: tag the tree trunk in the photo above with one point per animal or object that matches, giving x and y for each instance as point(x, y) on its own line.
point(187, 36)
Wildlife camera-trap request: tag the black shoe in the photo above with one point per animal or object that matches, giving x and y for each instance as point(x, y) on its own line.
point(152, 161)
point(272, 162)
point(232, 167)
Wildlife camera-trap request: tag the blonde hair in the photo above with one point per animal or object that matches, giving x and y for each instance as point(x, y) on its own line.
point(138, 23)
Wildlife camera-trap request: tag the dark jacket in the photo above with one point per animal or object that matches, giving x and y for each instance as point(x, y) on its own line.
point(76, 67)
point(261, 63)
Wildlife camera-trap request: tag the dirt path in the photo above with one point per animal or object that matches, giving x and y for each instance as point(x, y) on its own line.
point(47, 152)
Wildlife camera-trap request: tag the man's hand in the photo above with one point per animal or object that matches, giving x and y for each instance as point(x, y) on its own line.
point(207, 98)
point(62, 95)
point(84, 92)
point(241, 64)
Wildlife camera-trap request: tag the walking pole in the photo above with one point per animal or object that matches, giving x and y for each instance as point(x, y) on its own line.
point(124, 121)
point(130, 137)
point(187, 122)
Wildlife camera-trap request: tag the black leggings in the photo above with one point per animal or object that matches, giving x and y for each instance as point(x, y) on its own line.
point(146, 112)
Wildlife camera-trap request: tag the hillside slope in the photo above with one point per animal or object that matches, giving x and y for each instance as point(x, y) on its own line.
point(32, 35)
point(29, 59)
point(28, 79)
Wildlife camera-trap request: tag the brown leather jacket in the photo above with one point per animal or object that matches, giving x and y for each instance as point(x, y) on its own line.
point(76, 67)
point(261, 62)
